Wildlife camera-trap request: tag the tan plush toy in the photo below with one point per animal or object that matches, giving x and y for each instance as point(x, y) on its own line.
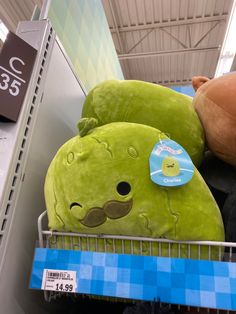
point(215, 103)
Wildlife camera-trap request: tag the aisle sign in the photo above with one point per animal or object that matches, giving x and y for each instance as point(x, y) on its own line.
point(16, 63)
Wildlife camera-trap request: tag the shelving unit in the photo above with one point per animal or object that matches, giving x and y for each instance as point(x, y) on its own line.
point(48, 118)
point(136, 268)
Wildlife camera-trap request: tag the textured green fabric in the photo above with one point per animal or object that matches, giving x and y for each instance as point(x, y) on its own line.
point(149, 104)
point(86, 172)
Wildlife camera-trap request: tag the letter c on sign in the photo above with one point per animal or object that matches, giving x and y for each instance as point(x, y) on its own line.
point(12, 61)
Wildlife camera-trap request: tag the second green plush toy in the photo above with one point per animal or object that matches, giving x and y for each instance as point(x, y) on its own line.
point(149, 104)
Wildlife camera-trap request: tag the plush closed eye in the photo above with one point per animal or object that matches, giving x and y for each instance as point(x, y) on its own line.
point(123, 188)
point(75, 204)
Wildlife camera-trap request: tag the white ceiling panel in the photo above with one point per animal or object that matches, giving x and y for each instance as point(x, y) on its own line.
point(14, 11)
point(161, 41)
point(166, 41)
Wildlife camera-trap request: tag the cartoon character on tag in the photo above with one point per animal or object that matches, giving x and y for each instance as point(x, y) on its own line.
point(170, 167)
point(170, 164)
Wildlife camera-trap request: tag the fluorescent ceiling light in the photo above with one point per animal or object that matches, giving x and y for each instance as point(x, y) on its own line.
point(3, 31)
point(228, 49)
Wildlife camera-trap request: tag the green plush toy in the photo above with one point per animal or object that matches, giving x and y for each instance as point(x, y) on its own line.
point(100, 184)
point(149, 104)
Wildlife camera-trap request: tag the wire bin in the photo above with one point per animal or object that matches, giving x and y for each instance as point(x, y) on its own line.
point(200, 250)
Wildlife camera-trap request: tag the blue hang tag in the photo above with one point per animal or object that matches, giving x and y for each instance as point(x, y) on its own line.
point(170, 164)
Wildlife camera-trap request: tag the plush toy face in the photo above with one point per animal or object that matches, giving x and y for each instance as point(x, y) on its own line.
point(150, 104)
point(100, 183)
point(215, 103)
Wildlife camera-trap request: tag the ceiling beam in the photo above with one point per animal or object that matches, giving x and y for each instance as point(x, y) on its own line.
point(184, 82)
point(164, 53)
point(174, 37)
point(204, 36)
point(175, 83)
point(121, 44)
point(116, 26)
point(170, 23)
point(140, 40)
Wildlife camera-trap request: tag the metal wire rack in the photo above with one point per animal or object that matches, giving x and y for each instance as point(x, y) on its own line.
point(201, 250)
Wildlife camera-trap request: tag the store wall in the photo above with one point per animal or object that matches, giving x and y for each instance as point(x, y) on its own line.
point(187, 89)
point(83, 30)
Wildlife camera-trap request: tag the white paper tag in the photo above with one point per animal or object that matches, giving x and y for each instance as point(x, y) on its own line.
point(59, 280)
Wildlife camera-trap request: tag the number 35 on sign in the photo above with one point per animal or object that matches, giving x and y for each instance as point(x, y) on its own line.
point(11, 80)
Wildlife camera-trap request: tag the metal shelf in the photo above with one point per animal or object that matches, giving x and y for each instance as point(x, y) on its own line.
point(192, 250)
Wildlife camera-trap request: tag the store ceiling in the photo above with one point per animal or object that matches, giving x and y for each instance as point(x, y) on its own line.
point(167, 41)
point(14, 11)
point(161, 41)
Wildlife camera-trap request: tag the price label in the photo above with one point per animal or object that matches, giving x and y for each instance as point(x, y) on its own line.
point(16, 63)
point(59, 280)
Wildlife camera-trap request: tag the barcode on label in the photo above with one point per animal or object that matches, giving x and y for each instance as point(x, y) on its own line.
point(59, 275)
point(59, 280)
point(51, 274)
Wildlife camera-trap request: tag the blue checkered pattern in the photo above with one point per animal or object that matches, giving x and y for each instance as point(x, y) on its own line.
point(200, 283)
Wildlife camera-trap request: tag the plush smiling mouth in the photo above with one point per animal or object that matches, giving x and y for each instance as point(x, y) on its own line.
point(113, 209)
